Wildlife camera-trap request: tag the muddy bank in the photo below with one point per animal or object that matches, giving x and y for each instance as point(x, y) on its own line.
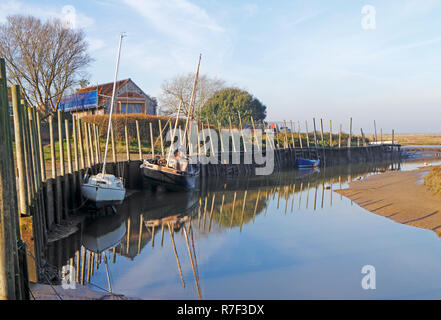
point(400, 196)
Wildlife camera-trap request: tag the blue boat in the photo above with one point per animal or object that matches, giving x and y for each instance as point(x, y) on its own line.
point(307, 163)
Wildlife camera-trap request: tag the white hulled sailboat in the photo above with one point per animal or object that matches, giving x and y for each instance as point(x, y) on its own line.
point(106, 187)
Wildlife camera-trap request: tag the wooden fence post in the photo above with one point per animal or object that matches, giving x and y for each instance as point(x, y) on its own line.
point(19, 149)
point(60, 141)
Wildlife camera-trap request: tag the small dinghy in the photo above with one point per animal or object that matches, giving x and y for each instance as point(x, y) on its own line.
point(307, 163)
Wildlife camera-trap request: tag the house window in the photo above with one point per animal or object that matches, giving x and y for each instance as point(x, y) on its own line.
point(131, 107)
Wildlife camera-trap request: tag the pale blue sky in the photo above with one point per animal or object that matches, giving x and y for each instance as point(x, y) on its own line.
point(302, 59)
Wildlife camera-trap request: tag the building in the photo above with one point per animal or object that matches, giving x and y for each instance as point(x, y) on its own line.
point(129, 98)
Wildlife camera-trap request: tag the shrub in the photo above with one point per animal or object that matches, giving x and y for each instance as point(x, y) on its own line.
point(433, 180)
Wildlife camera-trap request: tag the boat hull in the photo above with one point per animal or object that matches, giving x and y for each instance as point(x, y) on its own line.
point(102, 195)
point(170, 180)
point(307, 163)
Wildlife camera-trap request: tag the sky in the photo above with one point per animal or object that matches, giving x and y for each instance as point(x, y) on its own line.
point(369, 60)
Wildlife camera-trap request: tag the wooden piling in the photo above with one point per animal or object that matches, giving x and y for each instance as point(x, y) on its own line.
point(112, 136)
point(42, 160)
point(75, 142)
point(19, 150)
point(52, 142)
point(139, 140)
point(69, 152)
point(126, 134)
point(152, 140)
point(60, 141)
point(12, 281)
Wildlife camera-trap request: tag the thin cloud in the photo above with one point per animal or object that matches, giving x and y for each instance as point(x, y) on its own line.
point(407, 46)
point(13, 7)
point(179, 19)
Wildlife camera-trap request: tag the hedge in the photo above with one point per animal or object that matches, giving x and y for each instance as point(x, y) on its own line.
point(120, 120)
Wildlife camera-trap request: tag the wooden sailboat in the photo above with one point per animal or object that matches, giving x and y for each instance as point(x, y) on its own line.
point(106, 187)
point(176, 172)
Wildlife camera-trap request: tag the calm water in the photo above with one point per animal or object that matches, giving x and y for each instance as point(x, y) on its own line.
point(285, 236)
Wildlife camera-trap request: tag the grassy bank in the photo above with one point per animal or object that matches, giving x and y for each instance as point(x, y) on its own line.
point(416, 139)
point(433, 180)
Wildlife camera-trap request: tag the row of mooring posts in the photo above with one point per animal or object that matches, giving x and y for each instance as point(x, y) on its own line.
point(288, 145)
point(13, 266)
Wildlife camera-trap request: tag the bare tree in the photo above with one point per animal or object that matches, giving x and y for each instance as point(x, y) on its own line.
point(180, 88)
point(44, 58)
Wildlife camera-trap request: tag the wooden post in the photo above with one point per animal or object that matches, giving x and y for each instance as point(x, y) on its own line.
point(307, 133)
point(69, 152)
point(330, 133)
point(19, 149)
point(152, 141)
point(321, 133)
point(161, 137)
point(97, 143)
point(139, 140)
point(60, 141)
point(286, 135)
point(232, 134)
point(362, 137)
point(375, 131)
point(339, 137)
point(300, 136)
point(28, 154)
point(292, 135)
point(51, 133)
point(381, 135)
point(80, 140)
point(350, 134)
point(315, 133)
point(42, 160)
point(86, 139)
point(75, 142)
point(11, 278)
point(127, 142)
point(393, 137)
point(112, 136)
point(90, 138)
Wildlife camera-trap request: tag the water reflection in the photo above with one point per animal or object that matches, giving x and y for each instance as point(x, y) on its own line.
point(160, 237)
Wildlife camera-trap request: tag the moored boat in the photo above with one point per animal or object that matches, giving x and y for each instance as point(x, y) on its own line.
point(171, 178)
point(307, 163)
point(102, 187)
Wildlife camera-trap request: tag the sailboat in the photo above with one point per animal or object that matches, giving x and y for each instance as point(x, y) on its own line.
point(105, 187)
point(175, 173)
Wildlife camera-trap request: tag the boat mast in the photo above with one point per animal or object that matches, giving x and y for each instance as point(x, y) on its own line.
point(112, 102)
point(192, 102)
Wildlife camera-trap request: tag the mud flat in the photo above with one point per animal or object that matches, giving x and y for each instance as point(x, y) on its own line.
point(400, 196)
